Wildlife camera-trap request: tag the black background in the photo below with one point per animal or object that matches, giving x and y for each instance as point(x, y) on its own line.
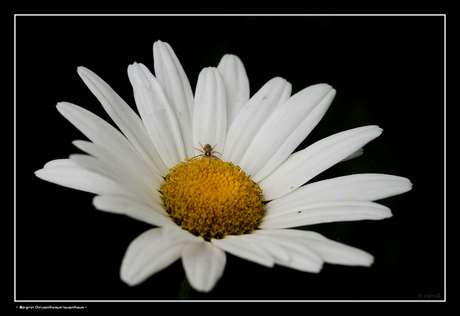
point(387, 70)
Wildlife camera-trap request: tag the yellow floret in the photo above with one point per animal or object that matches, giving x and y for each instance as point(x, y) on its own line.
point(212, 198)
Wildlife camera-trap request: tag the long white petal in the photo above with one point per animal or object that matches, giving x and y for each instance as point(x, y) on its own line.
point(246, 247)
point(134, 166)
point(252, 116)
point(236, 85)
point(354, 155)
point(325, 212)
point(125, 118)
point(209, 113)
point(99, 131)
point(275, 250)
point(154, 215)
point(330, 251)
point(285, 129)
point(338, 253)
point(158, 116)
point(204, 265)
point(67, 173)
point(299, 255)
point(146, 255)
point(130, 182)
point(300, 261)
point(176, 86)
point(305, 164)
point(362, 187)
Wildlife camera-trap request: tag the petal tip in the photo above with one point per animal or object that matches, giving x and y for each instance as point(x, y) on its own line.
point(126, 278)
point(39, 173)
point(61, 106)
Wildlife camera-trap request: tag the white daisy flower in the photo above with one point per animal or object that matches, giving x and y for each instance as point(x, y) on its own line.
point(183, 166)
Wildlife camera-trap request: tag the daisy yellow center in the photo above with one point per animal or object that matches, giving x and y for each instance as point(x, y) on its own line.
point(212, 198)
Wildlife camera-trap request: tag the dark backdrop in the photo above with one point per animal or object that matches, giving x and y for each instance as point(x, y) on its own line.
point(388, 71)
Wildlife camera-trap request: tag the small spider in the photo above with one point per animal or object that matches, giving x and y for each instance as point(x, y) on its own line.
point(207, 151)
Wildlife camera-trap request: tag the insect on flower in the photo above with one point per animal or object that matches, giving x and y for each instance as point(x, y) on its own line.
point(207, 151)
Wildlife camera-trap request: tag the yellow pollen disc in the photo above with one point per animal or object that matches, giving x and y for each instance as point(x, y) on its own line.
point(212, 199)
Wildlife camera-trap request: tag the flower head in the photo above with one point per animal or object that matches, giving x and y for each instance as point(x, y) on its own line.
point(215, 171)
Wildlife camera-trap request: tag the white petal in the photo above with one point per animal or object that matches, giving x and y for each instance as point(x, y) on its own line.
point(175, 84)
point(305, 164)
point(285, 129)
point(204, 265)
point(134, 169)
point(158, 117)
point(330, 251)
point(325, 212)
point(134, 165)
point(67, 173)
point(363, 187)
point(354, 155)
point(252, 116)
point(176, 234)
point(236, 85)
point(337, 253)
point(288, 240)
point(148, 254)
point(125, 118)
point(246, 247)
point(209, 113)
point(59, 163)
point(276, 251)
point(301, 262)
point(132, 184)
point(299, 256)
point(98, 131)
point(133, 208)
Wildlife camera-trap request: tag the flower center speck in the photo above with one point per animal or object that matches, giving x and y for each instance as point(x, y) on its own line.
point(212, 198)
